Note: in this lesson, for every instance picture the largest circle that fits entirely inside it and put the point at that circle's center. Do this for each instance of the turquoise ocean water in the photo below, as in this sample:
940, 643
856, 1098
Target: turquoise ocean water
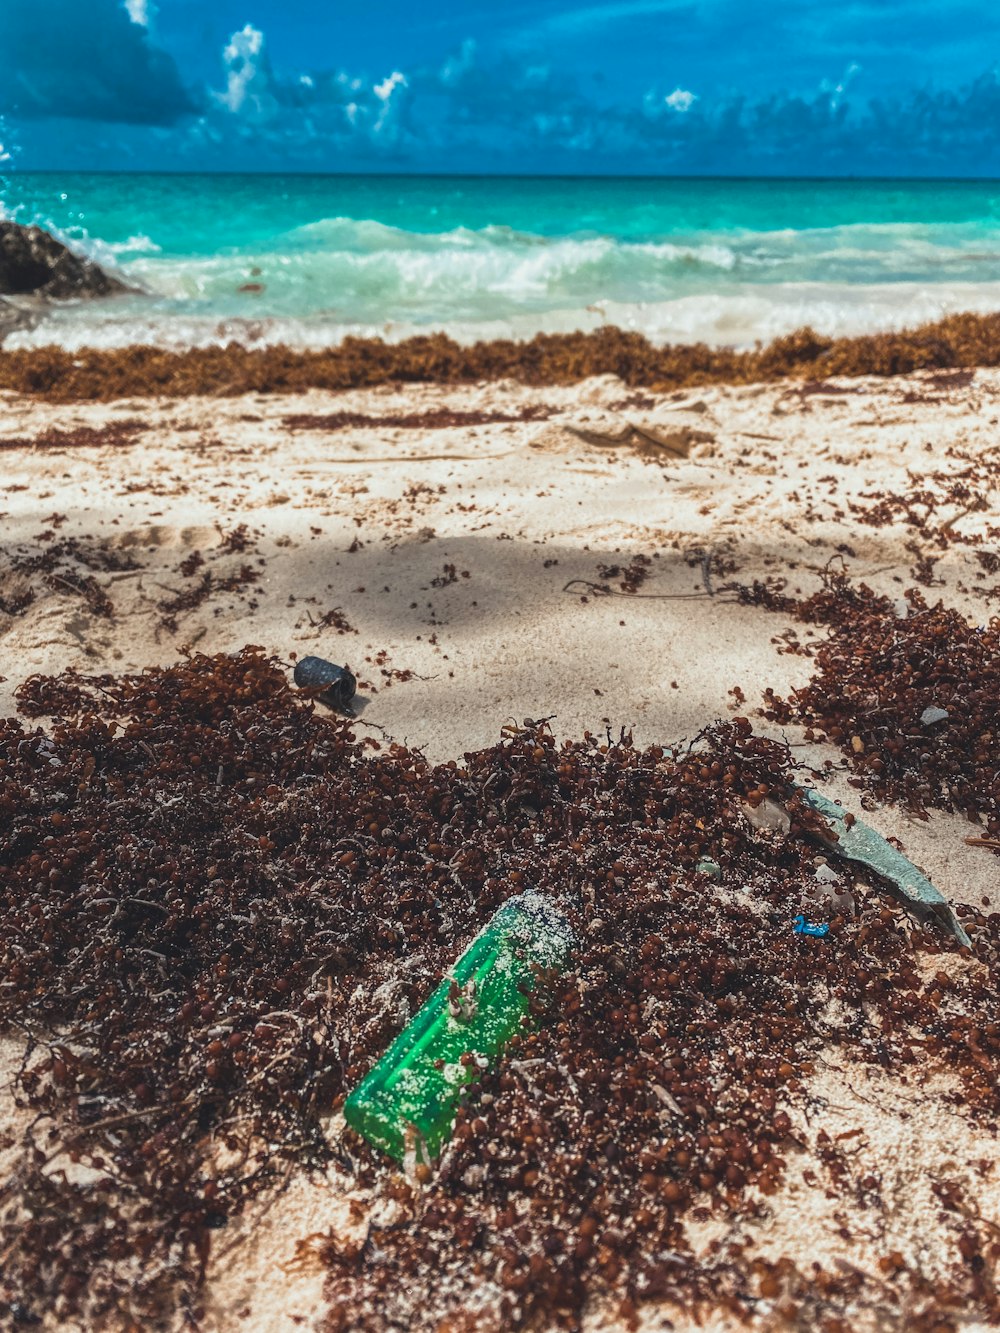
727, 261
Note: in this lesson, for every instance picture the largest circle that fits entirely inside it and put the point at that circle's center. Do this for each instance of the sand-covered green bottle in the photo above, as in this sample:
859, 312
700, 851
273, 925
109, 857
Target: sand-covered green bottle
411, 1096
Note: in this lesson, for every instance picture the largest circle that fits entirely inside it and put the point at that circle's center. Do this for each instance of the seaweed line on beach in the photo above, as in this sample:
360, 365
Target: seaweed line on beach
955, 343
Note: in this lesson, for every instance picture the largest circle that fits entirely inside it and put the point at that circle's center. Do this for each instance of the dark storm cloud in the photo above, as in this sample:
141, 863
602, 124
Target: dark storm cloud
88, 60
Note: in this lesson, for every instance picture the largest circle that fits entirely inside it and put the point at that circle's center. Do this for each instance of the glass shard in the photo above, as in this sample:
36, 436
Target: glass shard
862, 844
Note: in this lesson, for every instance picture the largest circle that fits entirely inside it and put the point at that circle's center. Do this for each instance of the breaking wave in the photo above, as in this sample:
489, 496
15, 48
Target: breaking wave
368, 271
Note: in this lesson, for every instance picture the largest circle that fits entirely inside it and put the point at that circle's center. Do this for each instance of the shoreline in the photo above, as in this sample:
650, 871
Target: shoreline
959, 342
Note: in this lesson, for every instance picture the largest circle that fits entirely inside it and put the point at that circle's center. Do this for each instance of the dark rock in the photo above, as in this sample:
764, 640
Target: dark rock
34, 263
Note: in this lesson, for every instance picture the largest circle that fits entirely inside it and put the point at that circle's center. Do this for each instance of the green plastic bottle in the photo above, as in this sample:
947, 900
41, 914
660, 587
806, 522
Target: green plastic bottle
408, 1101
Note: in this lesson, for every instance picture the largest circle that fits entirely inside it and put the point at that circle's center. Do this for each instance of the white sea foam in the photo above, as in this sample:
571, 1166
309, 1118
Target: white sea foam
739, 318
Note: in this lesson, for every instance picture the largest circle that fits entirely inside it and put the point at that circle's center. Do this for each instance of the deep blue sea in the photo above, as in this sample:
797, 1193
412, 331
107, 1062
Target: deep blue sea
306, 259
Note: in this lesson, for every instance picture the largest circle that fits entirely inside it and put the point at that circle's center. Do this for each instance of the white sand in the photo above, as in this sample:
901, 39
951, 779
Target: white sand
523, 507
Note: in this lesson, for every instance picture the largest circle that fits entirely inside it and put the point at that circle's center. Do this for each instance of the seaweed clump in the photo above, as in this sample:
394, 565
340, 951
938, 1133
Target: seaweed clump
934, 504
438, 418
957, 341
68, 565
217, 907
114, 434
909, 691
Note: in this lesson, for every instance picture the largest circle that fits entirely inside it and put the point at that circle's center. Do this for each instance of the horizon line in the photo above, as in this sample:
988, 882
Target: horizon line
861, 178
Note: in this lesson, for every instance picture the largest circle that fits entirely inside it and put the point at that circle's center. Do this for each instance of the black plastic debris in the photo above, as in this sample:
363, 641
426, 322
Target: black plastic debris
330, 684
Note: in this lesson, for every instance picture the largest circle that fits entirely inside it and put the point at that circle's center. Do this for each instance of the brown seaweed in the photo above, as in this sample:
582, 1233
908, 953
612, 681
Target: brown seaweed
910, 691
217, 907
957, 342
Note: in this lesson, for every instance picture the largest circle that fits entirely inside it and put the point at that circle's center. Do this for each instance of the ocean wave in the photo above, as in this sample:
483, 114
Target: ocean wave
370, 272
367, 236
139, 244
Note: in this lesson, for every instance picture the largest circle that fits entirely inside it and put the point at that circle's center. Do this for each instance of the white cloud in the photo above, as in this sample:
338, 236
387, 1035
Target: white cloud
388, 113
681, 100
384, 90
249, 89
838, 90
311, 112
141, 12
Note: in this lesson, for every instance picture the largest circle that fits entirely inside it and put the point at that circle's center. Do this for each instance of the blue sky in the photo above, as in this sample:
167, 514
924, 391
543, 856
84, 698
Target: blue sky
714, 86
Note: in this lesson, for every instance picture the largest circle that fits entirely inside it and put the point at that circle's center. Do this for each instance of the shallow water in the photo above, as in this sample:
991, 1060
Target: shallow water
727, 261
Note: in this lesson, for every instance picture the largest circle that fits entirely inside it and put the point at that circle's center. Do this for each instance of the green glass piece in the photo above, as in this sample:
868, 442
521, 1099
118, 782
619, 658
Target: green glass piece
409, 1099
862, 844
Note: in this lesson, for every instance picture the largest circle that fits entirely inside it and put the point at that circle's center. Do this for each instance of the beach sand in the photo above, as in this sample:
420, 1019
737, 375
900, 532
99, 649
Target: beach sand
458, 569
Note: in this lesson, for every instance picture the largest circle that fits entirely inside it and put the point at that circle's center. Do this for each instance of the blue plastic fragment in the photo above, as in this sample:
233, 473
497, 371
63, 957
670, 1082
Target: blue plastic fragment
802, 927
